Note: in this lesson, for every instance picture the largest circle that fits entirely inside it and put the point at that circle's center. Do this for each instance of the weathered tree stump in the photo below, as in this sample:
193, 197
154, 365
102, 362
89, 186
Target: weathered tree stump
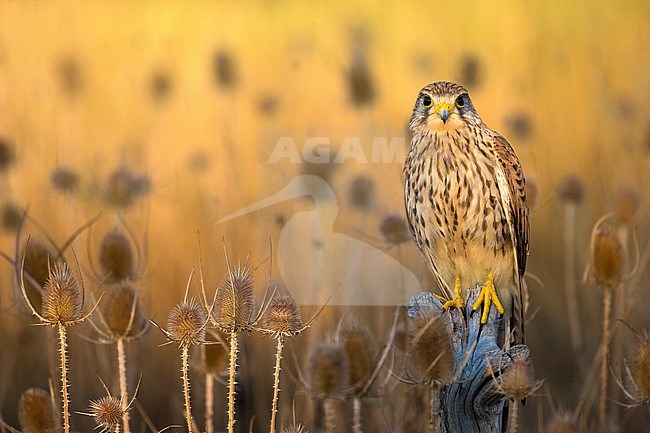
473, 402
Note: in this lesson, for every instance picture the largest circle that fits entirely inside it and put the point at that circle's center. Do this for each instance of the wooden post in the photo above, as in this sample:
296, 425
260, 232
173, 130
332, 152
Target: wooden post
472, 403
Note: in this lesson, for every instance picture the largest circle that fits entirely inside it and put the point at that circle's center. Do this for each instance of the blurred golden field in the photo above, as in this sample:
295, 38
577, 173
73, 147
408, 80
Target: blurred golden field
194, 96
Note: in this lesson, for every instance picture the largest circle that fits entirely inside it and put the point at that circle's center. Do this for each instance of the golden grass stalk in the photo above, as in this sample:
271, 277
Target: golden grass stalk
607, 264
62, 306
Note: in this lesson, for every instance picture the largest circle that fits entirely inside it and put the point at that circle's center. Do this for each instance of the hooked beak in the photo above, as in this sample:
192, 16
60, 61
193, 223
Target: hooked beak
444, 110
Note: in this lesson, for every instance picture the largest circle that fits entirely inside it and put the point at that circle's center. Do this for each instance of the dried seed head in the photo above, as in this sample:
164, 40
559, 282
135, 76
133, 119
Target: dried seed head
7, 156
360, 351
107, 412
532, 192
626, 205
215, 357
361, 87
571, 189
70, 76
234, 300
607, 260
161, 86
224, 68
362, 193
10, 217
116, 256
186, 323
518, 379
471, 71
562, 423
520, 125
283, 315
430, 348
122, 312
64, 179
36, 270
123, 187
62, 295
640, 369
394, 229
35, 412
328, 368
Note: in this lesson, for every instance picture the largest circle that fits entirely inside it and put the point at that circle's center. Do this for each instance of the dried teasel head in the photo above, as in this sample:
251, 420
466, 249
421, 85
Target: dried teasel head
63, 295
328, 368
35, 412
7, 155
186, 323
234, 299
626, 205
430, 352
64, 179
640, 369
116, 256
282, 316
607, 257
362, 193
122, 312
394, 229
107, 413
298, 428
571, 189
123, 187
562, 423
518, 379
360, 351
10, 217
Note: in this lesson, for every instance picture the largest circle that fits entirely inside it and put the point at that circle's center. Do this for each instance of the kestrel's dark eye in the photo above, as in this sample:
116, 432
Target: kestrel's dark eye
460, 102
426, 101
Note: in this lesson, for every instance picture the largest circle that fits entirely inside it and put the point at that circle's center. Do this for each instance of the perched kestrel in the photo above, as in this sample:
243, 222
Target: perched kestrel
466, 204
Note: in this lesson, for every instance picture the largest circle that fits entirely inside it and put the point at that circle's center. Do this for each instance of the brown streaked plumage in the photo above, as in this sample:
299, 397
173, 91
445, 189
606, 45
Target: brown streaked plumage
466, 203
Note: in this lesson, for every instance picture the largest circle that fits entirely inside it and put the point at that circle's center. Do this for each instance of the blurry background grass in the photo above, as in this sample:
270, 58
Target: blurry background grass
186, 93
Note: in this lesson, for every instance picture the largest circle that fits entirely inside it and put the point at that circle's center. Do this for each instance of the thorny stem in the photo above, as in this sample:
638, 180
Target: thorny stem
434, 406
602, 407
330, 414
186, 386
276, 382
121, 362
570, 278
64, 377
209, 403
232, 380
513, 417
356, 415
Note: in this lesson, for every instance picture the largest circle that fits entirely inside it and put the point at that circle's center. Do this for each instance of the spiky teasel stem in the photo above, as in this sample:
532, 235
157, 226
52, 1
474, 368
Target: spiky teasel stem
276, 382
602, 405
124, 393
329, 408
186, 386
64, 377
232, 380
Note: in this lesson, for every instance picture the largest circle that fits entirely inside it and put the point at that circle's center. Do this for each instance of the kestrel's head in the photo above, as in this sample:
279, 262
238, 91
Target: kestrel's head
443, 106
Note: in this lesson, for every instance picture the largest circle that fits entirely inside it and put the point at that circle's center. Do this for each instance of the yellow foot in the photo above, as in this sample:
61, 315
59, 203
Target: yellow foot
458, 301
487, 296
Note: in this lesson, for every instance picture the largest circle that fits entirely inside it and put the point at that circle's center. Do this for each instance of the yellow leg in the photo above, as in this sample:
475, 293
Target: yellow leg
458, 298
488, 296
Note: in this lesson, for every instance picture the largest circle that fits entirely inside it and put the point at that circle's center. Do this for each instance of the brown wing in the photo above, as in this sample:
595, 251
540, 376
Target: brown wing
518, 216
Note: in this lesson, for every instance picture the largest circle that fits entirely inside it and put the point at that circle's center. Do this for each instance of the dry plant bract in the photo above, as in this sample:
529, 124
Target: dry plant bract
638, 372
62, 306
